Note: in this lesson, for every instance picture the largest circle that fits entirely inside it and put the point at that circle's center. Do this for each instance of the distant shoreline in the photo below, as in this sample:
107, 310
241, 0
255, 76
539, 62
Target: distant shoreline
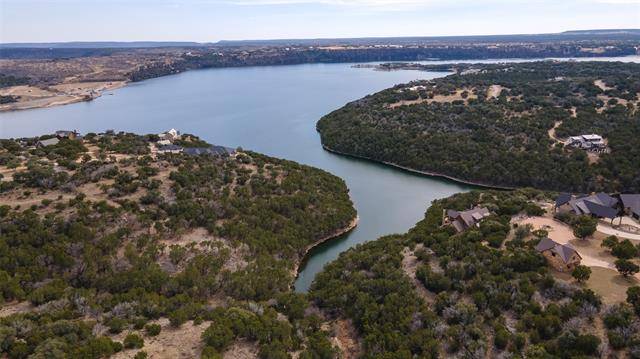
57, 95
62, 94
424, 173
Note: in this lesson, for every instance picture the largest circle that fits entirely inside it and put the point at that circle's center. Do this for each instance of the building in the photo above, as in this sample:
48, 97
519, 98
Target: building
47, 142
561, 257
212, 151
562, 202
67, 134
464, 220
170, 135
600, 205
631, 204
170, 149
593, 143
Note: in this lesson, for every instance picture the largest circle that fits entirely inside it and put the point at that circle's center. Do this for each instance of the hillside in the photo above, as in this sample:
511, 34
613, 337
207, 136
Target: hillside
503, 125
106, 239
484, 293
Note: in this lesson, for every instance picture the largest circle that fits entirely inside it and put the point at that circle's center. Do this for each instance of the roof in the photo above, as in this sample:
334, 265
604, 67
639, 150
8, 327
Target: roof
213, 150
631, 201
452, 213
601, 211
458, 225
564, 251
606, 200
563, 198
49, 142
592, 137
545, 244
170, 148
600, 204
470, 217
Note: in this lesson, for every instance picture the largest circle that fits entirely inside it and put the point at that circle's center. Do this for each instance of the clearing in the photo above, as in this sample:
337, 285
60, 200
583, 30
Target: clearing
183, 342
456, 96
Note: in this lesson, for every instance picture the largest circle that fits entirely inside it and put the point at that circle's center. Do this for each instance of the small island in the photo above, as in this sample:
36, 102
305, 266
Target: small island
126, 245
567, 126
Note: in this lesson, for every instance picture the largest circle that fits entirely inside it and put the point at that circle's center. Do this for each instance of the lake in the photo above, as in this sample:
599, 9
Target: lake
272, 110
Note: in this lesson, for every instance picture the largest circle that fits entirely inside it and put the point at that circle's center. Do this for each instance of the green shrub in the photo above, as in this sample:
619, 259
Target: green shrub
153, 329
501, 339
133, 341
116, 325
218, 335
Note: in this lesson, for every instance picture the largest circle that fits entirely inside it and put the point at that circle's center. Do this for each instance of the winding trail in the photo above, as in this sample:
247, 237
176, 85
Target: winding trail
409, 266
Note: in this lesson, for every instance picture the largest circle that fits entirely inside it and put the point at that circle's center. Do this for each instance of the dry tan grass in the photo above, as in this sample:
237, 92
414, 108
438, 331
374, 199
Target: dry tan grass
494, 91
346, 339
63, 94
602, 85
183, 342
242, 349
457, 96
409, 266
610, 285
11, 308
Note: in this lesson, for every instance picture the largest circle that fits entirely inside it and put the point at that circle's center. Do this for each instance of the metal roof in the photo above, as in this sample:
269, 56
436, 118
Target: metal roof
564, 251
631, 201
49, 142
563, 198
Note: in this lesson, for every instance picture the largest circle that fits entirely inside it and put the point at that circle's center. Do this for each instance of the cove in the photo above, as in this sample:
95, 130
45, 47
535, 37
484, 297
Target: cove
272, 110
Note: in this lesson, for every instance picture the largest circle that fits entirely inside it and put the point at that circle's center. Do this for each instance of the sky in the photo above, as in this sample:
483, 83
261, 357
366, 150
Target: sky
213, 20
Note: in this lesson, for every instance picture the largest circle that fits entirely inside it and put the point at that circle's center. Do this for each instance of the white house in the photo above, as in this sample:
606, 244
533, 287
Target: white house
170, 135
591, 142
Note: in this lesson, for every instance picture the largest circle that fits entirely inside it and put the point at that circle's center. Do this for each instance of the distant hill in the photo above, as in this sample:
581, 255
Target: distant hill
578, 35
603, 32
606, 34
101, 44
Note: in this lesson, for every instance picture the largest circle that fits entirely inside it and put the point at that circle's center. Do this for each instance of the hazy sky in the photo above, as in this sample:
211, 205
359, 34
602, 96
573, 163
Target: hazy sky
212, 20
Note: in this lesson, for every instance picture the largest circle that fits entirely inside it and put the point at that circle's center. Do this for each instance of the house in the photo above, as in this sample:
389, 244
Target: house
464, 220
593, 143
67, 134
47, 142
561, 257
213, 151
170, 135
163, 143
631, 204
170, 149
600, 205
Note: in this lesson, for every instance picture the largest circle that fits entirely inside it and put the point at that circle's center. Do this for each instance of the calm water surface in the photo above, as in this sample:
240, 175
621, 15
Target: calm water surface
272, 110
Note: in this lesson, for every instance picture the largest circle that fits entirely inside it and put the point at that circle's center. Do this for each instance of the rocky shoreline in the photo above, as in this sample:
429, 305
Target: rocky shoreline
353, 224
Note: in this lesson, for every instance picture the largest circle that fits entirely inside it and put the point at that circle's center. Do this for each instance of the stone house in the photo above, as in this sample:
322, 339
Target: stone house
463, 220
561, 257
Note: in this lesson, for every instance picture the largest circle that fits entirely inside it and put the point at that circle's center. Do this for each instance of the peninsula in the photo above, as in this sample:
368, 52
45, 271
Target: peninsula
163, 245
568, 126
